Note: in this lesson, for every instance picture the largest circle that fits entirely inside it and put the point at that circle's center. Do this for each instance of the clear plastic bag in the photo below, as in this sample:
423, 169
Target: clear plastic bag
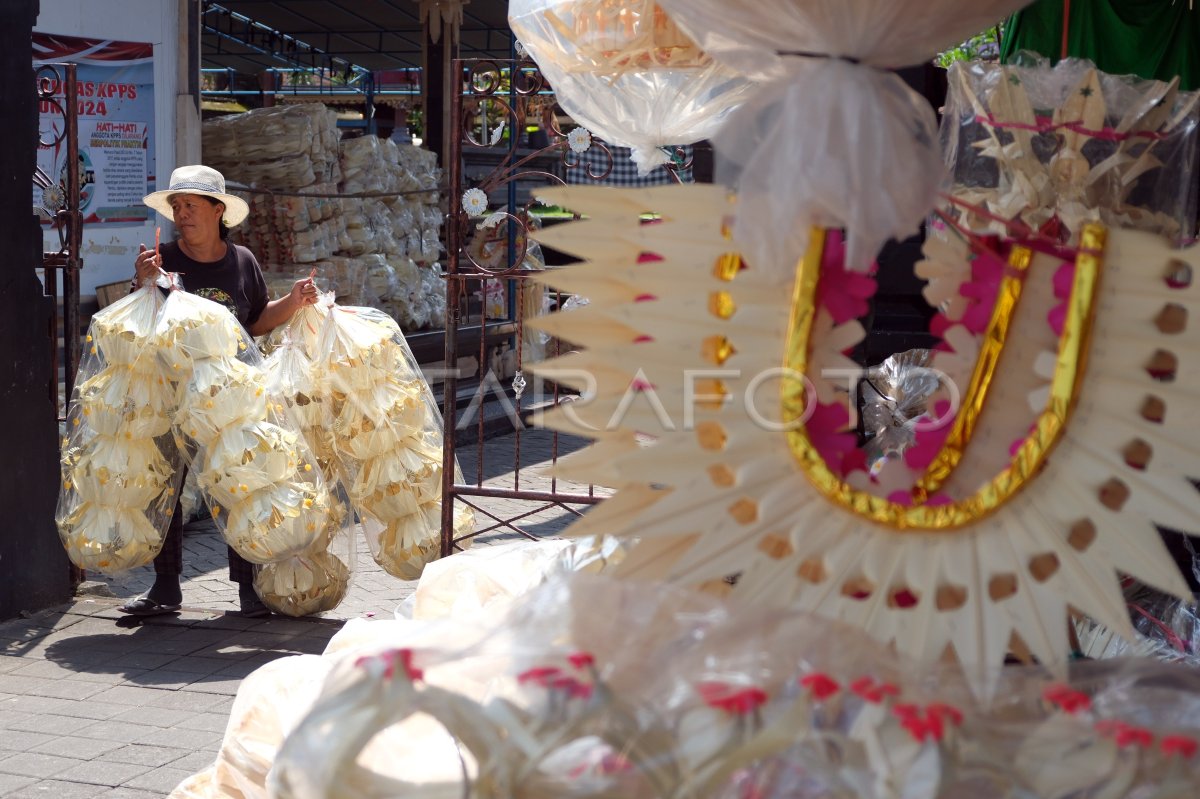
1067, 144
119, 464
386, 430
258, 476
590, 687
628, 73
831, 139
318, 579
892, 398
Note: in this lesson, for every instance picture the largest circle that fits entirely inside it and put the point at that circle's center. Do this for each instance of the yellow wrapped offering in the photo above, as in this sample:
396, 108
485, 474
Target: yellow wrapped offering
262, 447
406, 544
109, 539
277, 522
132, 401
303, 585
192, 328
223, 393
117, 472
121, 332
392, 485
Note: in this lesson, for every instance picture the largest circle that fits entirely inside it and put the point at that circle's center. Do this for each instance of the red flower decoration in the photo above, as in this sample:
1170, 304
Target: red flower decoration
581, 660
927, 725
821, 686
873, 692
391, 659
946, 712
731, 699
1126, 735
987, 270
1066, 699
649, 258
844, 293
1064, 280
1180, 745
645, 298
539, 675
928, 443
573, 688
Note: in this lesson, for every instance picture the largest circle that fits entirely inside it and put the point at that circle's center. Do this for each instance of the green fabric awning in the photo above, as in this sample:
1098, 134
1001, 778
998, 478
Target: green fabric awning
1151, 38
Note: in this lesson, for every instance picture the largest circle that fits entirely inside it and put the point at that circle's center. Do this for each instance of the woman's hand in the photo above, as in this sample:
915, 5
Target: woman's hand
304, 292
148, 264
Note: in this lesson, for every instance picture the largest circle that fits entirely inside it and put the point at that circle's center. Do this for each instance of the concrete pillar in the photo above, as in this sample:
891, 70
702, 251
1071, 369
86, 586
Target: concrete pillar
187, 96
34, 571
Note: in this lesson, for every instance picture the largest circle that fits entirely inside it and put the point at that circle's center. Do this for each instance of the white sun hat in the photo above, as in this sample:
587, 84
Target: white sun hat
205, 182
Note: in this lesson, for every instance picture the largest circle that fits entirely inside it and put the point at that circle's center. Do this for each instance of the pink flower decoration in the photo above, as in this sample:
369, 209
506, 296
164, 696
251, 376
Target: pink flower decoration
649, 258
987, 270
928, 443
844, 293
581, 660
872, 691
573, 688
539, 675
827, 430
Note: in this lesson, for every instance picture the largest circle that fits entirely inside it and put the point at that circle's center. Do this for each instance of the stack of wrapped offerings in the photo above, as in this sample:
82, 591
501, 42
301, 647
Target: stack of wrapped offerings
119, 461
365, 249
262, 483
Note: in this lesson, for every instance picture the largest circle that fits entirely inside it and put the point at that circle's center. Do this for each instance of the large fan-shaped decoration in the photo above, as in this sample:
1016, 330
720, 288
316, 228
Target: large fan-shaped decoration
1017, 504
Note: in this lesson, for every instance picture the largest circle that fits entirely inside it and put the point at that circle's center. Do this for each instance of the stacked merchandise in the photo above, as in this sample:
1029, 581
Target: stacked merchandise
374, 251
119, 463
369, 413
179, 382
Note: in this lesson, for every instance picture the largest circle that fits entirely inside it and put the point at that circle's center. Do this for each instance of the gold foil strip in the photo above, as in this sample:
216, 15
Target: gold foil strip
974, 399
1026, 462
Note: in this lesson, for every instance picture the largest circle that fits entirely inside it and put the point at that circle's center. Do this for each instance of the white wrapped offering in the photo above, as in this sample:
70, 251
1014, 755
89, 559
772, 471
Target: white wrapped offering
128, 400
121, 332
118, 472
223, 393
191, 328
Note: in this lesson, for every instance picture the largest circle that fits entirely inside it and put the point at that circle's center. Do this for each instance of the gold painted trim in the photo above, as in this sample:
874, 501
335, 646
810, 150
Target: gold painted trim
974, 399
1026, 462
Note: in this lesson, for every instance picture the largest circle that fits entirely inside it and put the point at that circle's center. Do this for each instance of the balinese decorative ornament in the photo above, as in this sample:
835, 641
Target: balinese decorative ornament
1017, 502
475, 202
436, 13
833, 138
626, 71
1112, 149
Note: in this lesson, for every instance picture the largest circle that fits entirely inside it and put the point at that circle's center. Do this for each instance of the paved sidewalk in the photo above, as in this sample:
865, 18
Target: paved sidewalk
97, 704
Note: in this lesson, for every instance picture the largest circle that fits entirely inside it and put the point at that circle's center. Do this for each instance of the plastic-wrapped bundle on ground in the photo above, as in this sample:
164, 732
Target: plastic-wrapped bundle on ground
628, 73
590, 688
120, 467
389, 437
259, 477
1067, 144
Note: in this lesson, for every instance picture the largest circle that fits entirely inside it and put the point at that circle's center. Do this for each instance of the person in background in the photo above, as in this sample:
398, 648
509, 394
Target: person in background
229, 275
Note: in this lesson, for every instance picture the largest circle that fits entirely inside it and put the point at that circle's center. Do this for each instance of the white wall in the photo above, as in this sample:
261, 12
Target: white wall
108, 253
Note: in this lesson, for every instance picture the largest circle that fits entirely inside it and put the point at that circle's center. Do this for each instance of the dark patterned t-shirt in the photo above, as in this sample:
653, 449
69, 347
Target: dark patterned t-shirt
236, 281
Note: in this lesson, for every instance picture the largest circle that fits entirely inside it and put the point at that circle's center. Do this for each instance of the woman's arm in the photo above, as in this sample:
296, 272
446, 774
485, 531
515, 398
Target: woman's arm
278, 312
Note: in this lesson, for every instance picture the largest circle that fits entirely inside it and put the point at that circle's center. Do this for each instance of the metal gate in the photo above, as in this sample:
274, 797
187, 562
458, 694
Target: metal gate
493, 97
58, 203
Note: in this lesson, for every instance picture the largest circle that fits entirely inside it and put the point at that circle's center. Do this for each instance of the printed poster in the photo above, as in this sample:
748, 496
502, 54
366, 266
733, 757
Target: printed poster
116, 125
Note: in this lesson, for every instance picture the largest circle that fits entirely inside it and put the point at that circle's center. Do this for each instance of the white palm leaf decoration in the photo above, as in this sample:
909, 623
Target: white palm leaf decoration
716, 492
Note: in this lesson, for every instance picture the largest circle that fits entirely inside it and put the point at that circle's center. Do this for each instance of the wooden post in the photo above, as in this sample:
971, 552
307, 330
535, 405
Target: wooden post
34, 571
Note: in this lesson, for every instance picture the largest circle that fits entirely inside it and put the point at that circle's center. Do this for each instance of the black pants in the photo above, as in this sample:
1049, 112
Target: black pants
170, 560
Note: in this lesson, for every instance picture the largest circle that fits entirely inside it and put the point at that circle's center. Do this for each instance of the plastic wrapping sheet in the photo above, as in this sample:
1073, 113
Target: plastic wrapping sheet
1168, 629
892, 398
261, 482
1063, 145
830, 139
628, 73
119, 463
588, 687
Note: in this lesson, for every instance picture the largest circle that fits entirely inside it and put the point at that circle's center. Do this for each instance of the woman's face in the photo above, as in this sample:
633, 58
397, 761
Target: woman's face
196, 218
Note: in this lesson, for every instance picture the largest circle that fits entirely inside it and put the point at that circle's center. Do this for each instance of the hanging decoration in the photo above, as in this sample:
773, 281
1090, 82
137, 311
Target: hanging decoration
436, 13
976, 540
627, 72
832, 138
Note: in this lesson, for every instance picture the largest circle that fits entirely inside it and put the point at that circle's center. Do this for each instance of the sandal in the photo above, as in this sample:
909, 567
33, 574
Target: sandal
253, 608
145, 606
